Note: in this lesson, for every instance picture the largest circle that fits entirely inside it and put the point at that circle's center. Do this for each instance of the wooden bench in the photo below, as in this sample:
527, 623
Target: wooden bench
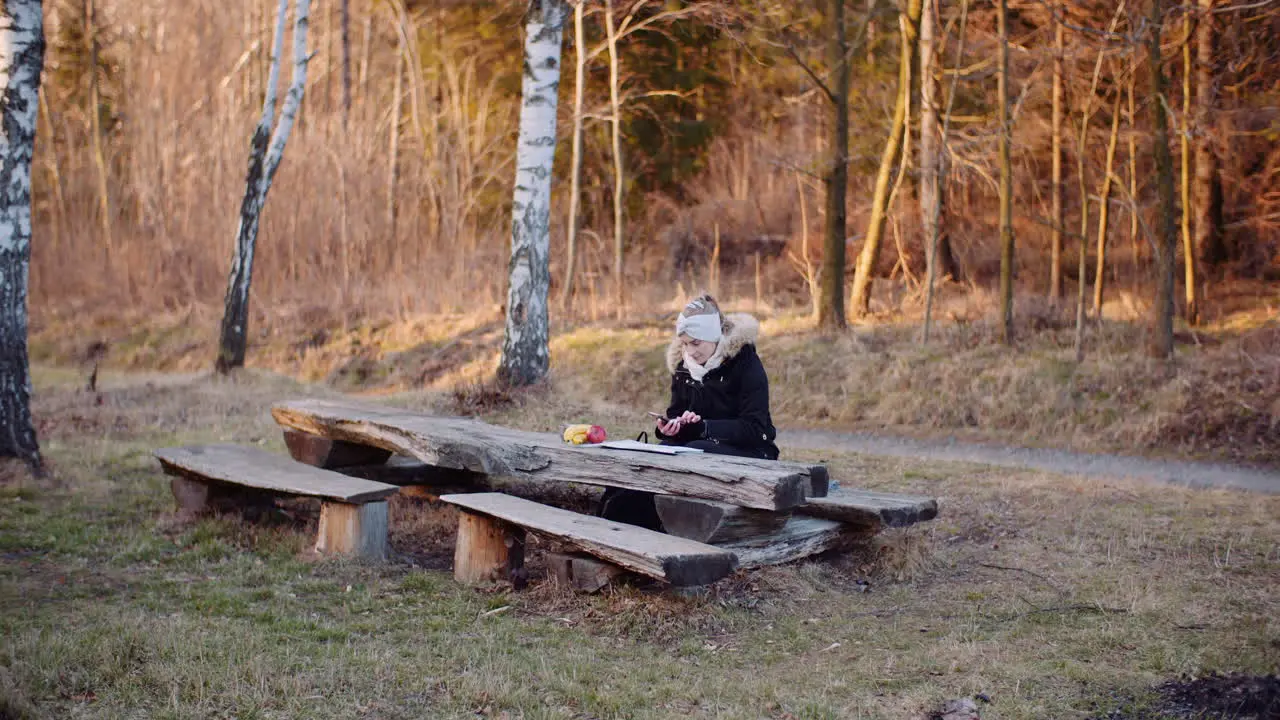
353, 512
760, 537
491, 542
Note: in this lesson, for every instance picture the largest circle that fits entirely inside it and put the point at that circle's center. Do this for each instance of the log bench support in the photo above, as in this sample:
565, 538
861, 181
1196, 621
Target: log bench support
359, 530
488, 550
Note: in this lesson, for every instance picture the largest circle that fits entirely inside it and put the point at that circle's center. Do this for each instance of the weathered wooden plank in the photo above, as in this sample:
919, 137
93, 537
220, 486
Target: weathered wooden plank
865, 506
359, 530
801, 537
714, 522
255, 468
582, 572
323, 452
474, 445
488, 549
665, 557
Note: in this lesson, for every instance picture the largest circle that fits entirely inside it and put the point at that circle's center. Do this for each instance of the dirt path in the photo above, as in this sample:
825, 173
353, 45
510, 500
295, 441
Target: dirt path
1175, 472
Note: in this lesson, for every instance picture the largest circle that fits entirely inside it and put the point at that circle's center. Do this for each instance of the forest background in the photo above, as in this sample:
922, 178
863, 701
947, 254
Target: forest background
384, 244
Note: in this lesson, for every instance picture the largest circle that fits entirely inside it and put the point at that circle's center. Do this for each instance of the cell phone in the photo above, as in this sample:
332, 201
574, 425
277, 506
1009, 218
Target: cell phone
660, 416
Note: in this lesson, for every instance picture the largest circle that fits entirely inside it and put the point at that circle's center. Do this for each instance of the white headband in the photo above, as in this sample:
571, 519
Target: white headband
699, 327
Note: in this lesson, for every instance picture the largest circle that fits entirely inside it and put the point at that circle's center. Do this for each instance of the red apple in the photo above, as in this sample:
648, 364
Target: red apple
596, 434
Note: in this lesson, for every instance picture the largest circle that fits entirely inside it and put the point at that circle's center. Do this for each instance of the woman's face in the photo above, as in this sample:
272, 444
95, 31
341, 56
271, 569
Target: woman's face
699, 350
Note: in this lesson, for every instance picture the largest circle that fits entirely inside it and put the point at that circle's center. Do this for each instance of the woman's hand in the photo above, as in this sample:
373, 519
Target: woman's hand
670, 428
689, 417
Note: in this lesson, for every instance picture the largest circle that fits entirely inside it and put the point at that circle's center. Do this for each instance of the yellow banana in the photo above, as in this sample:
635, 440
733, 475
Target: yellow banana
576, 434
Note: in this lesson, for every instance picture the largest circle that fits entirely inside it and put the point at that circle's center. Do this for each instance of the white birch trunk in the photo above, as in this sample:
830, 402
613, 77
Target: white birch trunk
265, 152
524, 348
21, 60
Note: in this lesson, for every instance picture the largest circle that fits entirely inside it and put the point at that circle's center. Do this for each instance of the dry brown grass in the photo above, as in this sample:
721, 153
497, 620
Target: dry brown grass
1057, 597
1217, 399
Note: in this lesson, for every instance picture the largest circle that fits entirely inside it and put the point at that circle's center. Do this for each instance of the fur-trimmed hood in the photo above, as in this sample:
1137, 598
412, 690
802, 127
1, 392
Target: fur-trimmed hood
738, 330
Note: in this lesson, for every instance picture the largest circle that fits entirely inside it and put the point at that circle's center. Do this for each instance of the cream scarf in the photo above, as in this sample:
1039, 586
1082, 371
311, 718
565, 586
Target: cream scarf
700, 371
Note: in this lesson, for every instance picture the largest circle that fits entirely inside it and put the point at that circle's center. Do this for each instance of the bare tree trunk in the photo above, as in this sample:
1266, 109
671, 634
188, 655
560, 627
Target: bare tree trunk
346, 62
941, 170
1006, 181
1210, 240
1104, 200
615, 117
265, 151
250, 37
860, 295
365, 42
21, 60
930, 195
393, 151
1133, 168
95, 128
831, 306
60, 197
575, 163
1188, 249
1057, 191
1086, 112
525, 356
802, 263
1166, 241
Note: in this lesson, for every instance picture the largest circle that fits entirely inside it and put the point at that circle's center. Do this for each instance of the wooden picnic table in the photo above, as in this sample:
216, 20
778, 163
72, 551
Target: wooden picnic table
719, 512
758, 512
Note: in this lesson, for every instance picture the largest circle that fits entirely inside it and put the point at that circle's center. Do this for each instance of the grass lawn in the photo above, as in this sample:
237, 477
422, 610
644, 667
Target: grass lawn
1054, 597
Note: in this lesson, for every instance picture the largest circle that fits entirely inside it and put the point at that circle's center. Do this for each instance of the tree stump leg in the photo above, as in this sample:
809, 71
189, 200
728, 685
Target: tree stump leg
488, 550
359, 530
196, 497
323, 452
582, 572
192, 497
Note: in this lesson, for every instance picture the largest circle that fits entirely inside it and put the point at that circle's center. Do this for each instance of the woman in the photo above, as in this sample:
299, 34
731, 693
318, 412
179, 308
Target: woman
719, 399
719, 390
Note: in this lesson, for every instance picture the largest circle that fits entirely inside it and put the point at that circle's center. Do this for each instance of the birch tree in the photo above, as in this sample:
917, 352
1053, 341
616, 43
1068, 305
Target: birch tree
266, 148
525, 357
21, 60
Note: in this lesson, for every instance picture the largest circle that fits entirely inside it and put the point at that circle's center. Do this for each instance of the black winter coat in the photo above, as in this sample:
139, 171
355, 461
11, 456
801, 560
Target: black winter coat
732, 399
